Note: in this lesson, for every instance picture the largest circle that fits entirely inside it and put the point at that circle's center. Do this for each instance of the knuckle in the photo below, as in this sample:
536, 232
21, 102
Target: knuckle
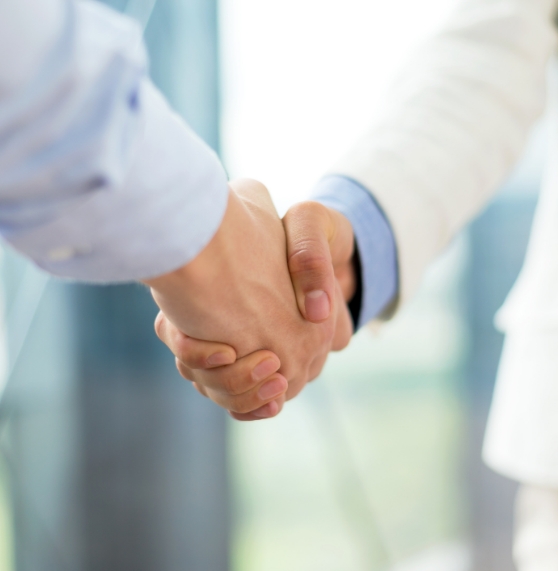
295, 388
227, 384
184, 370
230, 385
235, 386
289, 369
159, 325
200, 390
342, 342
192, 358
190, 351
240, 417
307, 209
241, 405
280, 403
309, 257
316, 369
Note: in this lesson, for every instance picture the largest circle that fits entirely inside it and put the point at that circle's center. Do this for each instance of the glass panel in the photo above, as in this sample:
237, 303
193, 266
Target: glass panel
367, 461
108, 459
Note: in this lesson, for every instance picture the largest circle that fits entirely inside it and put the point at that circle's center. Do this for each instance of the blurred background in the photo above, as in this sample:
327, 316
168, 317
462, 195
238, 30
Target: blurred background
109, 461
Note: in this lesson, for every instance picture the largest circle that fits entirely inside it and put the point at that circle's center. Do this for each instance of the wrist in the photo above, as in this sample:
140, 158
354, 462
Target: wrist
208, 264
235, 280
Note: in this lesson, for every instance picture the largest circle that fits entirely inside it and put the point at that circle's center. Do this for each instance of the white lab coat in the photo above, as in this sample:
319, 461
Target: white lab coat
456, 123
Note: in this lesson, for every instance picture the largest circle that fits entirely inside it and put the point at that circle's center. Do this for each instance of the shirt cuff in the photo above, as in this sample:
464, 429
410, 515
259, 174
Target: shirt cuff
157, 219
374, 241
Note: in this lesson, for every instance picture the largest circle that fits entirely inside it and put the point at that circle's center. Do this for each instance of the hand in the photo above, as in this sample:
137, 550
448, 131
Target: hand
320, 252
320, 246
238, 292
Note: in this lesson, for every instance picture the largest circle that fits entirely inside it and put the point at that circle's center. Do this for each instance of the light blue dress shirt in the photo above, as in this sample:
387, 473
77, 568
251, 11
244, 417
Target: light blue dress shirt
99, 179
374, 241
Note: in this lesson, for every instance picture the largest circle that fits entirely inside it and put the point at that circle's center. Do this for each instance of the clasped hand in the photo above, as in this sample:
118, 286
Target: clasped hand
253, 317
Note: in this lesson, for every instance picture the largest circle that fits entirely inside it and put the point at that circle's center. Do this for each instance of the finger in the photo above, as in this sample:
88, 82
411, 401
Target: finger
200, 390
297, 385
273, 388
270, 387
344, 323
346, 277
269, 410
308, 228
342, 241
193, 353
236, 379
270, 390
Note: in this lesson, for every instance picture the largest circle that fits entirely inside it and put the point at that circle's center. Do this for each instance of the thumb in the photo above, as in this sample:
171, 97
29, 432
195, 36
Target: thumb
309, 228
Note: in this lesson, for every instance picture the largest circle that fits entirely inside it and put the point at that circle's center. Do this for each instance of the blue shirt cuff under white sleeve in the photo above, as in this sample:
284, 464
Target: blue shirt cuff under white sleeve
374, 239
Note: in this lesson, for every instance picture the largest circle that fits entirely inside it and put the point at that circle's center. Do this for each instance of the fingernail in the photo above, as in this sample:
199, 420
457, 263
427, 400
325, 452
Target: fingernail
317, 305
264, 369
273, 388
267, 411
220, 359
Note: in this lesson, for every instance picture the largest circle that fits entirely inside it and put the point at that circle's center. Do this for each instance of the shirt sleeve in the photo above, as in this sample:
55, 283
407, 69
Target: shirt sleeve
374, 241
99, 179
454, 123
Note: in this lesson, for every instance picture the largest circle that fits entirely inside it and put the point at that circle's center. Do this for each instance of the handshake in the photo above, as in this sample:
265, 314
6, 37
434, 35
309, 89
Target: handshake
253, 317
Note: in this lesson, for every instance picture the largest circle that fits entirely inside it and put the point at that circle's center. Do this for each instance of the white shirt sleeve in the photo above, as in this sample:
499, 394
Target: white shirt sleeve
99, 179
454, 125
